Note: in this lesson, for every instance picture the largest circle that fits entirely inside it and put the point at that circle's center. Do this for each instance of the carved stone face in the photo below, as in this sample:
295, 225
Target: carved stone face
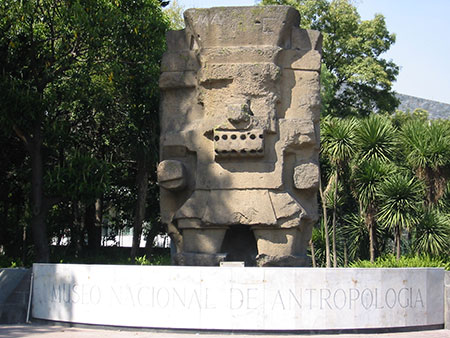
239, 134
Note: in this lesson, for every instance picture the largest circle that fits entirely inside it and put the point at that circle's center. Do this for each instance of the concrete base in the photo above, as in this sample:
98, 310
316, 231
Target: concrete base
14, 294
447, 300
230, 298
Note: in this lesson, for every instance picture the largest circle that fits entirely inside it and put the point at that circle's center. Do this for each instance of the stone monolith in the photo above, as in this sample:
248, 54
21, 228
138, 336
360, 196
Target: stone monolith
240, 106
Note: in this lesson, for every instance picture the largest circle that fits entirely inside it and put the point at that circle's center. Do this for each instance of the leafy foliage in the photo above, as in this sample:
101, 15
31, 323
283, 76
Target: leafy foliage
389, 261
79, 88
432, 235
359, 79
400, 201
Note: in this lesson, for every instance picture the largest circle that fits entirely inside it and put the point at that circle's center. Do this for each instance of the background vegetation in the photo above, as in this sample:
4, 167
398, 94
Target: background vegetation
79, 137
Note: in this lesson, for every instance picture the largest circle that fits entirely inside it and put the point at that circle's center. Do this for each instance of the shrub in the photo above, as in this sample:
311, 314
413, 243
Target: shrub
389, 261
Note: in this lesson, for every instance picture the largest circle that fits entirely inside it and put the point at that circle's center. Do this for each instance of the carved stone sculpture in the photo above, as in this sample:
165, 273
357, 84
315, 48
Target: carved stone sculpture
240, 136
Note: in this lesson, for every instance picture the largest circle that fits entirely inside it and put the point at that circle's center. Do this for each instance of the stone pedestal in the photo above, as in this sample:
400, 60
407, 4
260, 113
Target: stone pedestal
240, 298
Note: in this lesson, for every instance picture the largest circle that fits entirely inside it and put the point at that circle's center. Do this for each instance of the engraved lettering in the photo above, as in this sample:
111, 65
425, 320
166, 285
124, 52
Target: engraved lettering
419, 299
56, 294
75, 294
324, 297
162, 297
236, 294
407, 300
275, 302
352, 298
251, 298
194, 299
366, 295
181, 299
208, 306
336, 299
310, 297
376, 300
95, 295
292, 296
393, 297
142, 296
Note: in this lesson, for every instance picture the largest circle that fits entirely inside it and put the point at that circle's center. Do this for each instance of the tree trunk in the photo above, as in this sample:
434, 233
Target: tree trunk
371, 228
334, 219
93, 231
77, 231
142, 187
325, 224
39, 205
397, 241
313, 254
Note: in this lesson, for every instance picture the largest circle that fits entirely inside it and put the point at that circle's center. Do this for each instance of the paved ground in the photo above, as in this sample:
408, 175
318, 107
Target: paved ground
47, 331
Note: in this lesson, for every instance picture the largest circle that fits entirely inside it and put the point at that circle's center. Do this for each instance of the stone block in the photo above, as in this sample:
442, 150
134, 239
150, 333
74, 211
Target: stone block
267, 299
306, 176
171, 175
174, 80
179, 61
14, 295
240, 109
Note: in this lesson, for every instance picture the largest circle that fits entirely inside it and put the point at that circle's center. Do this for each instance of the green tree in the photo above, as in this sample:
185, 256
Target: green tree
375, 137
175, 14
432, 234
65, 64
426, 147
367, 178
400, 205
338, 145
357, 75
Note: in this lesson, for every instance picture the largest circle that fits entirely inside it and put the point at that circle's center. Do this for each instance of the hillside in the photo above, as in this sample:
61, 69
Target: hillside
436, 110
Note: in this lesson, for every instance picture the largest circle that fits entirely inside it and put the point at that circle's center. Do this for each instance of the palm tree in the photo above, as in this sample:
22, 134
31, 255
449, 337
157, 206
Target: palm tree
375, 139
400, 203
432, 235
426, 146
338, 145
367, 178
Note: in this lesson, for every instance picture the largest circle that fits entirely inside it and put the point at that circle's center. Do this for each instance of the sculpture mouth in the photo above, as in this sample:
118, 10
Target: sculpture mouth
238, 143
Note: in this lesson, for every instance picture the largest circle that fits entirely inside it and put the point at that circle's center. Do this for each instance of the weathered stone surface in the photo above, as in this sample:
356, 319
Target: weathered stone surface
229, 298
306, 176
202, 259
177, 80
242, 26
172, 175
179, 61
239, 133
280, 261
14, 295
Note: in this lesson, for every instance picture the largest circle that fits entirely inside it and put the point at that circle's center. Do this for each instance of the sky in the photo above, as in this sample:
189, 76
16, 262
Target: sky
422, 48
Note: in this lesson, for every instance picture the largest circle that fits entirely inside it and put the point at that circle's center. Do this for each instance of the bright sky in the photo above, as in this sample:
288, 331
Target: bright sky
422, 49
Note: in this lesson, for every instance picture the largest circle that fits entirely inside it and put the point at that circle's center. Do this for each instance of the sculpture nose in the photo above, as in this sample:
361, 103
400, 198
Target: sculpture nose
239, 113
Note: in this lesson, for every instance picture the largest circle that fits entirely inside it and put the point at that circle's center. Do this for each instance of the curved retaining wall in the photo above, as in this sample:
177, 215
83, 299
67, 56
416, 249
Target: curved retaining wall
237, 298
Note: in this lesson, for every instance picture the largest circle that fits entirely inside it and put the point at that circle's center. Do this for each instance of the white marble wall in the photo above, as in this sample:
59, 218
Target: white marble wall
238, 298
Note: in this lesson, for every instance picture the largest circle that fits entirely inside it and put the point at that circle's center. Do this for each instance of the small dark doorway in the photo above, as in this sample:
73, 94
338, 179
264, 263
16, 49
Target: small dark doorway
240, 244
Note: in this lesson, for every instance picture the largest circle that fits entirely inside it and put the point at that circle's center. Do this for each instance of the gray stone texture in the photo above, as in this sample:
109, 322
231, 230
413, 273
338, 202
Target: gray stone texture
14, 294
447, 300
239, 140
